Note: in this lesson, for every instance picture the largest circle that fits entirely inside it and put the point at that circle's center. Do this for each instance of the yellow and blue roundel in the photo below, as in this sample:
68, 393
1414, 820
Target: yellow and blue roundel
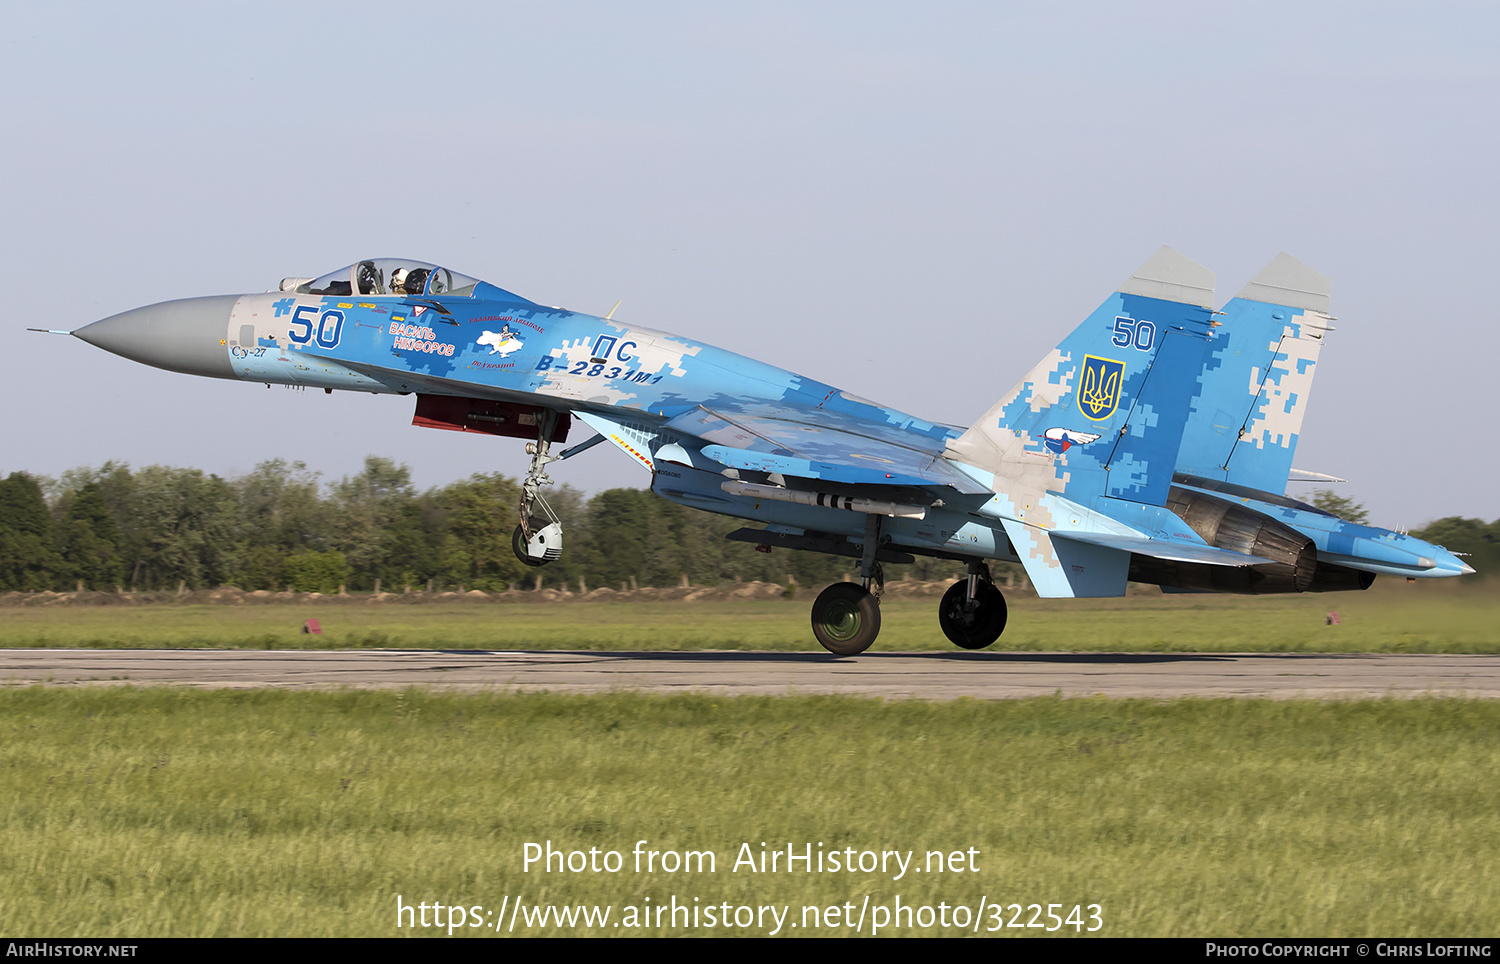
1099, 395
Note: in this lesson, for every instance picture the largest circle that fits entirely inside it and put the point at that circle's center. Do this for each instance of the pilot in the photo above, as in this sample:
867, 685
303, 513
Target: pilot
409, 281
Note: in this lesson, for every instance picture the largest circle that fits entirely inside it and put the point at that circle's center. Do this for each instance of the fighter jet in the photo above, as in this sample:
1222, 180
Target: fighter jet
1152, 444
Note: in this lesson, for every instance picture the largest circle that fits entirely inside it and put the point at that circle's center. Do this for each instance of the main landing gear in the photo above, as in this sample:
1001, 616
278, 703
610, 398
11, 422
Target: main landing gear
538, 540
973, 610
846, 616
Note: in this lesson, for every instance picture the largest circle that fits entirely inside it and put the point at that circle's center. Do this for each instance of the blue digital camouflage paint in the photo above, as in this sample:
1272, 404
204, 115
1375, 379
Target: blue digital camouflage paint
1152, 444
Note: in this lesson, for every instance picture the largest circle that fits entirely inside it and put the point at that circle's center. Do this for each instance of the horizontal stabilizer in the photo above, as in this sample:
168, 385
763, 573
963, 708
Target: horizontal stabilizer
1161, 549
1413, 567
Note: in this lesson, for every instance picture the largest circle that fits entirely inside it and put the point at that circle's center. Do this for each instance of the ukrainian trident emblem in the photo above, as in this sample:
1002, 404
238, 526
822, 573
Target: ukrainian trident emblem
1099, 395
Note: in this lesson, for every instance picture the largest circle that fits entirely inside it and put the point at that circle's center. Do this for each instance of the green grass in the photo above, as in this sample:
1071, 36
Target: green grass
1390, 618
148, 812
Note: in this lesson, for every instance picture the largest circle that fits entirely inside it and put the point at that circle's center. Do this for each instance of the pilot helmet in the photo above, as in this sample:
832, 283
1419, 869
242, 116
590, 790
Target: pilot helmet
398, 279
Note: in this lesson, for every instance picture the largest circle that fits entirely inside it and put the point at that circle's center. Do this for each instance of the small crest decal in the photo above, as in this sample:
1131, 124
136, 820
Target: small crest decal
502, 342
1061, 439
1099, 395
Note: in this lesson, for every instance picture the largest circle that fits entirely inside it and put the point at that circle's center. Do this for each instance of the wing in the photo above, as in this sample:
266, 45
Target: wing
822, 445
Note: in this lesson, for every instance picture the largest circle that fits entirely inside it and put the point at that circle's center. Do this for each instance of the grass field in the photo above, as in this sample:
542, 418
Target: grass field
183, 812
154, 812
1388, 618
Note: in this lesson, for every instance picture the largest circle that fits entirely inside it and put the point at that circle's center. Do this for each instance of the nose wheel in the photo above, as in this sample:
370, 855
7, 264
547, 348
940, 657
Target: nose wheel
538, 539
540, 548
973, 611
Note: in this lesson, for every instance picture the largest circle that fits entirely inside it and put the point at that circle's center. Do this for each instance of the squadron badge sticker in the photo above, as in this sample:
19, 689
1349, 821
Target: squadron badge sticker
1060, 440
503, 342
1099, 395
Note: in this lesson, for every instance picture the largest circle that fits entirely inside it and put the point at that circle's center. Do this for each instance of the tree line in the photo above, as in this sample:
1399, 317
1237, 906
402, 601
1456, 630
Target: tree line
280, 525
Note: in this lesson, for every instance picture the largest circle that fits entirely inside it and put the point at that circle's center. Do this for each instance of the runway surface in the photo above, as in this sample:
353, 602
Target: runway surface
936, 676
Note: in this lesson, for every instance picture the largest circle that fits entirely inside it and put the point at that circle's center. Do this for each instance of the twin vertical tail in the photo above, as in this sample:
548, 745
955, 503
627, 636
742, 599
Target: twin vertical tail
1103, 414
1252, 393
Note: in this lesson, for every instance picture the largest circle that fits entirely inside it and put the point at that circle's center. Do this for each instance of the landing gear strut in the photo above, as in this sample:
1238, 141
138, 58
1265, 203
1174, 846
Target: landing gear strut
845, 616
538, 544
973, 610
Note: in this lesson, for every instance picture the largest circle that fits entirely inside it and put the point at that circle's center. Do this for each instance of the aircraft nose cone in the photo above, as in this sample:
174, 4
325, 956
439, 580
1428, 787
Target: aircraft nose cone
1452, 562
180, 336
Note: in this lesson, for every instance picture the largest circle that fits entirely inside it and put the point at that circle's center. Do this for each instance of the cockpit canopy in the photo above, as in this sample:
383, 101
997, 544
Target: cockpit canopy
387, 276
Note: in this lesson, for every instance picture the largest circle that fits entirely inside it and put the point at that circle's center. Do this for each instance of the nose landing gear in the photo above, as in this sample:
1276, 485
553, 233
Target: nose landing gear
537, 542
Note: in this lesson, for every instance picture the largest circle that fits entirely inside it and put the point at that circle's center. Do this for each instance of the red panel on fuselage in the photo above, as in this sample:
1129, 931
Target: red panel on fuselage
488, 417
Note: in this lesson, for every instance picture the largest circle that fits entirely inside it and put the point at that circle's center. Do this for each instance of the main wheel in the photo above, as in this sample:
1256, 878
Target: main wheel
518, 546
846, 619
972, 625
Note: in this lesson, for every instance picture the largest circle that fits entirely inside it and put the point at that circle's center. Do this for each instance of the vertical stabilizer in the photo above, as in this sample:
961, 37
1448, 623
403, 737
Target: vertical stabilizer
1103, 413
1252, 394
1169, 276
1101, 416
1287, 281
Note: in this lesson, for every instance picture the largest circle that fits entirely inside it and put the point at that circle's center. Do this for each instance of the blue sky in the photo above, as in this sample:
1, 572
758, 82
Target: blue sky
911, 202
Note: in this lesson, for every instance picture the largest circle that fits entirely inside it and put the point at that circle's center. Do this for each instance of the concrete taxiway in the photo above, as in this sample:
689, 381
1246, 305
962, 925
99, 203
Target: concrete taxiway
888, 675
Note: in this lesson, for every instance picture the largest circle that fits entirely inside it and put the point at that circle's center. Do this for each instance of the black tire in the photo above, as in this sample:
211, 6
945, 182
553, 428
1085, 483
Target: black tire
518, 546
846, 619
972, 627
